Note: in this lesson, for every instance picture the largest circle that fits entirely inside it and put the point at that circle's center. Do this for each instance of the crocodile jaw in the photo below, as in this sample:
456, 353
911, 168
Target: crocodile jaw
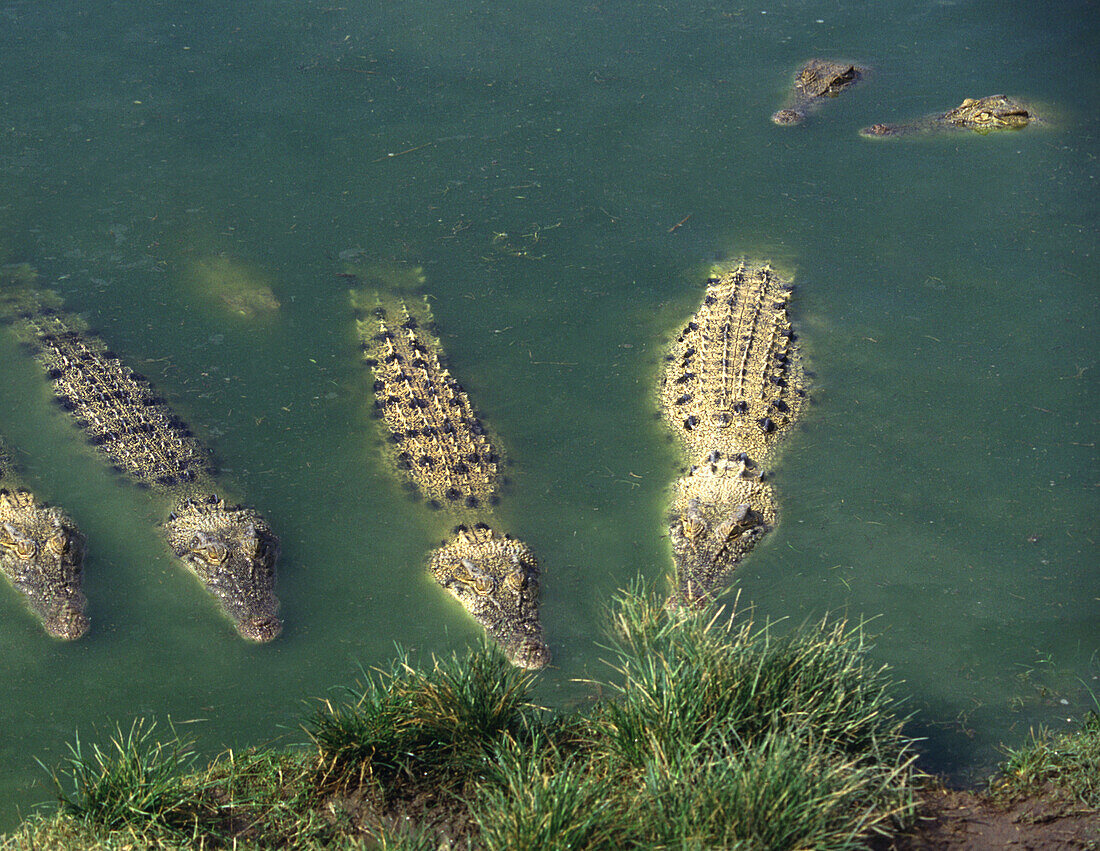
42, 553
718, 517
68, 622
496, 580
233, 552
705, 555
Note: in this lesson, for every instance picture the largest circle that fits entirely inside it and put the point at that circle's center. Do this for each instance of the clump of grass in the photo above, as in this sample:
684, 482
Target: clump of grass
267, 797
415, 742
135, 780
446, 719
714, 734
139, 791
63, 833
538, 795
685, 679
1068, 763
737, 735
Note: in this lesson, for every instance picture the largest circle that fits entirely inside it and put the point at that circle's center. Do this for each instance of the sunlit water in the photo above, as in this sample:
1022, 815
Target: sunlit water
534, 158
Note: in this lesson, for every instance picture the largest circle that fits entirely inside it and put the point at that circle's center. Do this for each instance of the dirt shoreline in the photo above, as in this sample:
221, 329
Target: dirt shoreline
965, 820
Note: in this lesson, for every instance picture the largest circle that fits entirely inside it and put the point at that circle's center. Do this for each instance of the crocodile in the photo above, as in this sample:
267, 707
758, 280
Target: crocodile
229, 547
816, 80
732, 388
449, 457
42, 554
982, 115
235, 286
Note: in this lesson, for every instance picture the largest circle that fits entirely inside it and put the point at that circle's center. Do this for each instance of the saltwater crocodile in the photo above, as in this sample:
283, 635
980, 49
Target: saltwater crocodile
733, 386
982, 115
235, 286
816, 80
440, 443
42, 554
228, 547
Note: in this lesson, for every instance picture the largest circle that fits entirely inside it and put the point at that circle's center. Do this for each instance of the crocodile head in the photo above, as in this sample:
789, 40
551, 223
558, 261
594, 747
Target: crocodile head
996, 112
708, 541
823, 78
982, 115
42, 554
818, 78
496, 579
232, 550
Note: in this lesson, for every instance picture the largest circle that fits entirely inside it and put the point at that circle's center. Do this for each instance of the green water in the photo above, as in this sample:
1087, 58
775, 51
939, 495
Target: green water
541, 155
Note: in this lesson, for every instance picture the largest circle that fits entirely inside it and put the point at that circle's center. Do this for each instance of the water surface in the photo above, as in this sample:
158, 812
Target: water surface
534, 159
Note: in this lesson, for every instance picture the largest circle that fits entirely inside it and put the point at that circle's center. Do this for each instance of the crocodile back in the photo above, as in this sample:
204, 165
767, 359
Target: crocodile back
734, 379
440, 442
116, 407
438, 439
732, 388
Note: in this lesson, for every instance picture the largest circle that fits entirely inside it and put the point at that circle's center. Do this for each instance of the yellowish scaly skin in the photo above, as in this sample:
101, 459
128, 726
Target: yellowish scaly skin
816, 80
439, 442
982, 115
438, 439
42, 555
230, 549
495, 577
734, 385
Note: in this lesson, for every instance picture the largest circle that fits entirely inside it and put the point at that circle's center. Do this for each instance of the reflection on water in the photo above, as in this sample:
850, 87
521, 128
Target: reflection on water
533, 162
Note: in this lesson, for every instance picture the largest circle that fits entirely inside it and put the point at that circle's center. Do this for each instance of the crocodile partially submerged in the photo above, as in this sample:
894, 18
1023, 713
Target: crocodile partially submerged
42, 554
442, 446
236, 287
982, 115
733, 386
230, 548
816, 80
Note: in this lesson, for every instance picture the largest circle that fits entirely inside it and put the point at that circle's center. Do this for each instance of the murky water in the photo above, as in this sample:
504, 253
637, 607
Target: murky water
534, 158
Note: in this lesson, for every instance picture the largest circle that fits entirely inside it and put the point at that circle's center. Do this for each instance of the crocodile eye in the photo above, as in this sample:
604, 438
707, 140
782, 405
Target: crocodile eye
483, 584
25, 548
209, 550
58, 544
515, 580
693, 527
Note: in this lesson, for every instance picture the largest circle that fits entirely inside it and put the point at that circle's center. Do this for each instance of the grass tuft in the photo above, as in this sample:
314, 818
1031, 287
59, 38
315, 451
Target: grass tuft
1068, 763
408, 722
134, 780
738, 735
537, 796
685, 681
713, 733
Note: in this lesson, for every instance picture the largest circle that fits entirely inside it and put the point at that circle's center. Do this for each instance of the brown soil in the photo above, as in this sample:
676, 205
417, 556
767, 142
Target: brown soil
966, 821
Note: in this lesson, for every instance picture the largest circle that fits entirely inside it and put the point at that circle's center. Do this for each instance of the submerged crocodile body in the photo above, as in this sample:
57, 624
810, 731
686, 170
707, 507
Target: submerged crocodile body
42, 554
816, 80
440, 443
982, 115
229, 548
733, 386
